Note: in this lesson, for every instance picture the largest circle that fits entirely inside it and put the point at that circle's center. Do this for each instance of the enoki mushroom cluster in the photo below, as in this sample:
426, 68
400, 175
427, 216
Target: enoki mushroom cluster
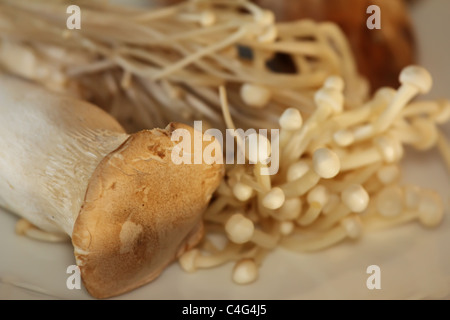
339, 177
148, 67
339, 150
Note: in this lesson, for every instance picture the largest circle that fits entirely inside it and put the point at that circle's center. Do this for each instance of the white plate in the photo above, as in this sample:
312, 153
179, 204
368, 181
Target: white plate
414, 262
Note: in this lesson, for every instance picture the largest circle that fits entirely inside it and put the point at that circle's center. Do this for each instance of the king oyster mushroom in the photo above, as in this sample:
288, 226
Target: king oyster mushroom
69, 168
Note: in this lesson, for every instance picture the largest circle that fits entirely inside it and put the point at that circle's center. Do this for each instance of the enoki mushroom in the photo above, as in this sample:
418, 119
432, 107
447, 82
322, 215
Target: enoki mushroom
150, 67
339, 149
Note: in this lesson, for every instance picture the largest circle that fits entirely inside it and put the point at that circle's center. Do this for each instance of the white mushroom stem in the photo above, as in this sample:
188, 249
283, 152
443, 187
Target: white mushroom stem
297, 170
411, 196
422, 134
205, 19
290, 121
329, 101
363, 132
418, 108
388, 174
332, 204
354, 199
387, 149
360, 115
193, 260
217, 206
302, 185
290, 210
269, 36
414, 80
50, 147
360, 176
317, 199
437, 111
390, 201
443, 115
326, 165
350, 227
429, 212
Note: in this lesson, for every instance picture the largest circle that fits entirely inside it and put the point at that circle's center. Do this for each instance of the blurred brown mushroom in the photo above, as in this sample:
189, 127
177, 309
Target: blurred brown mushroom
380, 53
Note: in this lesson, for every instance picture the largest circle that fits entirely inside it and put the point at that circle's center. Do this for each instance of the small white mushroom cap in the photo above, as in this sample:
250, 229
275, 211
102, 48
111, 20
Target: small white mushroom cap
242, 191
326, 163
330, 98
389, 147
187, 260
428, 133
286, 227
290, 210
239, 228
257, 148
418, 77
388, 174
265, 17
255, 95
412, 196
245, 271
431, 209
207, 18
355, 197
274, 199
319, 194
344, 137
291, 119
390, 201
335, 83
353, 226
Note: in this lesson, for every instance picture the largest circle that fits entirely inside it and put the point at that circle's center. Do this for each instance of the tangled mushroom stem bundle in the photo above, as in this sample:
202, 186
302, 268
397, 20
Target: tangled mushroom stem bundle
150, 67
217, 61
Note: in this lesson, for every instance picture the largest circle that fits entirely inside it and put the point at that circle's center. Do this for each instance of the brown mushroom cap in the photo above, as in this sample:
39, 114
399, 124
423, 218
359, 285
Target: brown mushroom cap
141, 211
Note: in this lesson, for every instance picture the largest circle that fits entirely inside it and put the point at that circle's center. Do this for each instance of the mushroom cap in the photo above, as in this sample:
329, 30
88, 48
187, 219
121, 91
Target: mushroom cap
417, 76
255, 95
331, 98
291, 119
326, 163
274, 199
141, 211
335, 82
355, 197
